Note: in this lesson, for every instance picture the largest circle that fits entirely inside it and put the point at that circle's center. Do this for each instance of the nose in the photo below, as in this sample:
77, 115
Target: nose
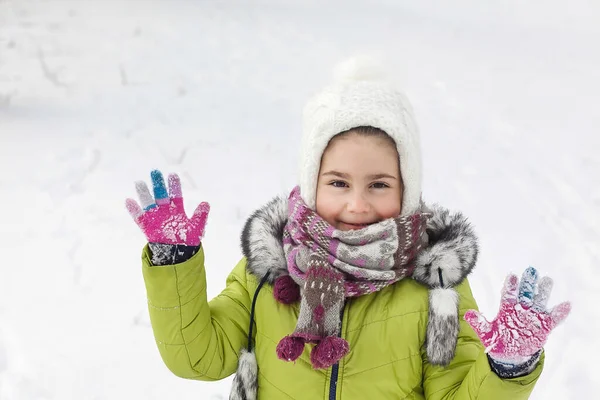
358, 204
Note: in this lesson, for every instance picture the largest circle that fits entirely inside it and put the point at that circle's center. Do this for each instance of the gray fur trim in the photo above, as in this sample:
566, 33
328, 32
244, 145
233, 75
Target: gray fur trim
445, 263
245, 381
442, 326
262, 240
452, 251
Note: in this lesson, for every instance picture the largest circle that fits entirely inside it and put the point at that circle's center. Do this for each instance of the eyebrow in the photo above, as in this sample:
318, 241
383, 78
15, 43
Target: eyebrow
346, 176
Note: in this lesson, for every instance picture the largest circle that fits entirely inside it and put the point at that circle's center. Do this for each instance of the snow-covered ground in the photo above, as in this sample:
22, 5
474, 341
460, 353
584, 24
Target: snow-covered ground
94, 94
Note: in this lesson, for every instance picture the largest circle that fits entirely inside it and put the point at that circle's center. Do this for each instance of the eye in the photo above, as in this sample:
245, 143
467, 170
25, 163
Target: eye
338, 184
380, 185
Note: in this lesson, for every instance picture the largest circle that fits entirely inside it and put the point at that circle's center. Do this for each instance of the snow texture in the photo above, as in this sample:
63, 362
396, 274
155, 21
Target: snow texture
95, 94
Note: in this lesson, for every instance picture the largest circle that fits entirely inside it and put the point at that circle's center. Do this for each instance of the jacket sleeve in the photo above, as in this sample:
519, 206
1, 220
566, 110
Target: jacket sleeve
197, 339
469, 376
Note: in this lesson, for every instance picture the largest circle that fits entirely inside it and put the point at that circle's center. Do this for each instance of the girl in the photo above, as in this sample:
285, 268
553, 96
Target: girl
350, 286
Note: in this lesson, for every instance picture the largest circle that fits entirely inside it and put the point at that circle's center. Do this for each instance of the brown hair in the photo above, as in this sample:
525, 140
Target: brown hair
371, 131
368, 131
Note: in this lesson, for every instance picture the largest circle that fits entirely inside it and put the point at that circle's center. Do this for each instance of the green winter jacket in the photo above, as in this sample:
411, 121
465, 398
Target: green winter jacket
386, 331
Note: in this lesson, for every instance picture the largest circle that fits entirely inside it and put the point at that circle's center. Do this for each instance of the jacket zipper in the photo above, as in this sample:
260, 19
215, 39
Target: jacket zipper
335, 368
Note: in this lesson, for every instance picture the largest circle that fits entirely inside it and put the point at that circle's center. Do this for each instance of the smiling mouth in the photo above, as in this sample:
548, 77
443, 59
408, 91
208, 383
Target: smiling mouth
354, 226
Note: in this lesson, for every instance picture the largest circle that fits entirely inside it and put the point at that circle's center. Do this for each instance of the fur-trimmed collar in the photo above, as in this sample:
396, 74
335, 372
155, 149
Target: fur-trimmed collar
447, 260
444, 263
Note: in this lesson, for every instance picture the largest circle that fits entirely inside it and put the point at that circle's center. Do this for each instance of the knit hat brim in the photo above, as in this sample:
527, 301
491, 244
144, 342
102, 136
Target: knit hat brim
360, 96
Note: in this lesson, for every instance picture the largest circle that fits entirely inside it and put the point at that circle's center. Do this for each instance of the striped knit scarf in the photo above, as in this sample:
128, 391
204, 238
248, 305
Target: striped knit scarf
330, 265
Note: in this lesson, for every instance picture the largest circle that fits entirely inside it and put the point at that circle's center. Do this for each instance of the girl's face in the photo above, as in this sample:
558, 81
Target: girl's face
359, 182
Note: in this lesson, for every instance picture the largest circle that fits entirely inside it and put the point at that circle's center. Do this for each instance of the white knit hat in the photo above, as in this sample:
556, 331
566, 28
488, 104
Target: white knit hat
360, 96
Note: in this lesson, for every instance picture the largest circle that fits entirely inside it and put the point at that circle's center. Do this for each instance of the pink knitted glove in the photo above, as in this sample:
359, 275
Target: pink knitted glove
523, 323
163, 219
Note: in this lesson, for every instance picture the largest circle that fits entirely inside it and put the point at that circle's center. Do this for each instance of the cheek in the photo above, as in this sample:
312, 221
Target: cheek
326, 208
390, 207
390, 211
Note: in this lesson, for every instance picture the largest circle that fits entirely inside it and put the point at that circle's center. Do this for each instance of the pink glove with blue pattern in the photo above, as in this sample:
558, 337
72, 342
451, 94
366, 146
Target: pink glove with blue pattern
523, 323
162, 217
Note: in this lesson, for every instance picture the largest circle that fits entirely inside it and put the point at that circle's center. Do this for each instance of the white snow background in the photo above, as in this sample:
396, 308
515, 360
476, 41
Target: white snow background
94, 94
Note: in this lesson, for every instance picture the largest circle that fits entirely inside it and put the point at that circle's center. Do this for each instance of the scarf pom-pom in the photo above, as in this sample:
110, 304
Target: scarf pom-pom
290, 348
329, 351
285, 290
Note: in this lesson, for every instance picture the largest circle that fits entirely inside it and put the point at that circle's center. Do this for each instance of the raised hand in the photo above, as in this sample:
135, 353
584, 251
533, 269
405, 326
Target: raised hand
162, 217
523, 323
